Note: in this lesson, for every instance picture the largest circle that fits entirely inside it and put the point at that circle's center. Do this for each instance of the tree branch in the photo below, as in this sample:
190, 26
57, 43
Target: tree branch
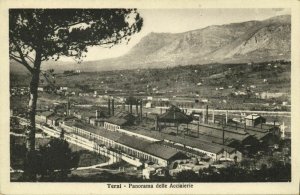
29, 68
24, 62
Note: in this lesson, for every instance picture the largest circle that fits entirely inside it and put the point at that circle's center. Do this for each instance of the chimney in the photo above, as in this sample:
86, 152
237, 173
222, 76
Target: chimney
156, 122
141, 108
226, 117
223, 134
113, 106
68, 107
260, 122
198, 128
130, 107
96, 114
109, 106
206, 114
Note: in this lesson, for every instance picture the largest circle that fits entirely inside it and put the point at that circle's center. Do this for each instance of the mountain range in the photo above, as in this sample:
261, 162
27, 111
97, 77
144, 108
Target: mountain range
250, 41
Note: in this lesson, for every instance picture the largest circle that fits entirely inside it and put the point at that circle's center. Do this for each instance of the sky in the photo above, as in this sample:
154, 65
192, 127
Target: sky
181, 20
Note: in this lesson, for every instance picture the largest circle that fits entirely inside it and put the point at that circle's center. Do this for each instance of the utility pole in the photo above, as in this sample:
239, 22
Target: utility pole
223, 131
198, 129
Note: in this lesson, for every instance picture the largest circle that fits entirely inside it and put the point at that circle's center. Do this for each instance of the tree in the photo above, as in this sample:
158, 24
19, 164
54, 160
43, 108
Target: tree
56, 156
37, 35
187, 175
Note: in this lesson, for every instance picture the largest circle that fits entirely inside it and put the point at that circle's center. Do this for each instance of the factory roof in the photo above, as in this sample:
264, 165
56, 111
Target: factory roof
143, 145
117, 121
45, 113
252, 116
174, 115
187, 141
149, 147
121, 118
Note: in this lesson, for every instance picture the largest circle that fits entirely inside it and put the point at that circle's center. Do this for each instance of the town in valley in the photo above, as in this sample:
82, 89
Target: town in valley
204, 119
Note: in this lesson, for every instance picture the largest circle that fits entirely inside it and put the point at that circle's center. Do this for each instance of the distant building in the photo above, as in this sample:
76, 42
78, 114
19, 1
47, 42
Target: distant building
139, 149
119, 120
43, 116
148, 105
53, 120
63, 88
254, 119
41, 89
268, 95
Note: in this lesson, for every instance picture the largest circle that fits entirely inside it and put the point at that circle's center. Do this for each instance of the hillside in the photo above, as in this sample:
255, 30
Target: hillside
251, 41
219, 83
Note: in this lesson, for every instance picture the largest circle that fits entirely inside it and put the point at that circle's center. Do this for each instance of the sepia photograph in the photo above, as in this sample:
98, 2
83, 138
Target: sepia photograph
138, 98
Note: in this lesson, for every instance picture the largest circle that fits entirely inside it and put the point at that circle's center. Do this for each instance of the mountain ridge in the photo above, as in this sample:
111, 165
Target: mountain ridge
248, 41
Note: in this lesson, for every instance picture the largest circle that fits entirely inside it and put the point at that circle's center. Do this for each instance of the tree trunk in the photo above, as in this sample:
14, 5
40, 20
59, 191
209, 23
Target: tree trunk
30, 138
30, 131
30, 142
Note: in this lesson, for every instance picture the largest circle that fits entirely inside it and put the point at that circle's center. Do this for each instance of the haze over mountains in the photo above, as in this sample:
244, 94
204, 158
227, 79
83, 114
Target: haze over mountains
250, 41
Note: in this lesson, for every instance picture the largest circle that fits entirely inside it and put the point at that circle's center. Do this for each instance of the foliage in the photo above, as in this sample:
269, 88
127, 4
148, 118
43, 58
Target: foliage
67, 32
37, 35
187, 175
57, 156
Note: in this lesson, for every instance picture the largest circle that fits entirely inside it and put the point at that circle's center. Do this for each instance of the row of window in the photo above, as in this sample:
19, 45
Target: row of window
111, 127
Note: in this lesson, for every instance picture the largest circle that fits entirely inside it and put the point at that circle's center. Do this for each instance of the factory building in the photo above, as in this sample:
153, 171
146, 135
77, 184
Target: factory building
119, 120
131, 145
254, 120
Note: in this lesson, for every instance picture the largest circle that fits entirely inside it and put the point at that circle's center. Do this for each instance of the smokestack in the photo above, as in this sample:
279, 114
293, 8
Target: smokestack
260, 122
198, 129
141, 108
68, 107
130, 108
156, 122
113, 106
223, 134
109, 106
226, 117
206, 114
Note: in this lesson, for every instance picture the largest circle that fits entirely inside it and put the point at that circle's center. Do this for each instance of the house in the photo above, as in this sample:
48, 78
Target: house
119, 120
148, 105
40, 89
254, 119
43, 116
99, 122
63, 88
53, 120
